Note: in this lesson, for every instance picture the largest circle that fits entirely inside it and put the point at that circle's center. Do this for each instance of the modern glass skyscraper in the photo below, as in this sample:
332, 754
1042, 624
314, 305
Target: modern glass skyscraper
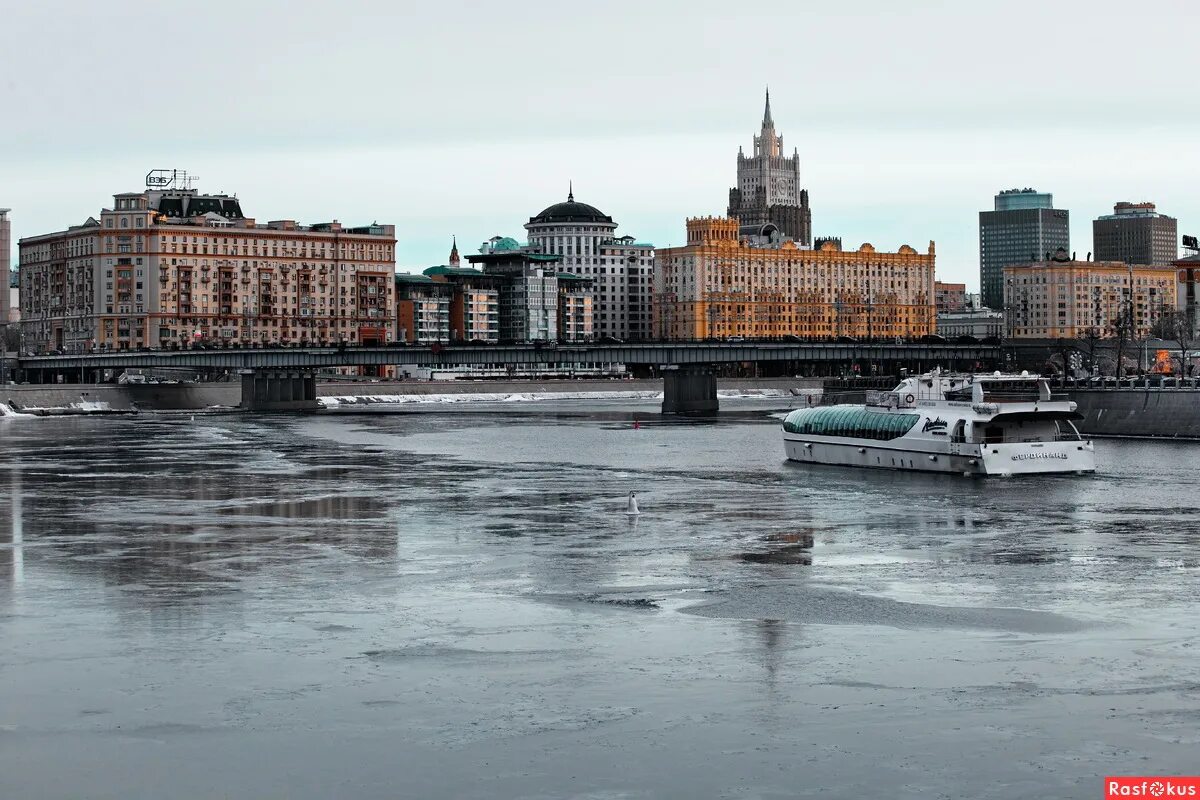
1023, 227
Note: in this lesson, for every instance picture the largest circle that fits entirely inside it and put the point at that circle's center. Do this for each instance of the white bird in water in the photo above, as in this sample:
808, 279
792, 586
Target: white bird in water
632, 508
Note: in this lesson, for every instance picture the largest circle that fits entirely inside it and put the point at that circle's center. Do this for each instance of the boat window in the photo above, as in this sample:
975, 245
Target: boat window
849, 421
958, 436
1067, 432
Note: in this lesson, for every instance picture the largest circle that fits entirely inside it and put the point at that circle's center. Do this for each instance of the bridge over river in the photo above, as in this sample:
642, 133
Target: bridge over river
285, 378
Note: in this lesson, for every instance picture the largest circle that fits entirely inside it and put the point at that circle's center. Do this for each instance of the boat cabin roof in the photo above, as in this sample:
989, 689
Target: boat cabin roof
994, 388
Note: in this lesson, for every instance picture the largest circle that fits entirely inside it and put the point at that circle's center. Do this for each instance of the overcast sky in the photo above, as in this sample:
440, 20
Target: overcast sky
468, 117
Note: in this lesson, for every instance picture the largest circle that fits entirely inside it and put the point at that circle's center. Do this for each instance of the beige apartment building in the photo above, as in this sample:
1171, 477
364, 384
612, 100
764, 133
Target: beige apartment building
167, 267
723, 284
1066, 299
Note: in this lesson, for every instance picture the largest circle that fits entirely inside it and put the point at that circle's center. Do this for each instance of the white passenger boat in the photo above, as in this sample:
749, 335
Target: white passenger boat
941, 422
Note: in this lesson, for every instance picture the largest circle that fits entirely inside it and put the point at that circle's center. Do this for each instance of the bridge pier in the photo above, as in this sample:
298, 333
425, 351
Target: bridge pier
690, 390
279, 390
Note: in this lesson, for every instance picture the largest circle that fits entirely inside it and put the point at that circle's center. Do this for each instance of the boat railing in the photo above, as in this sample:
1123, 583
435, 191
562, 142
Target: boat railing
1010, 397
1023, 397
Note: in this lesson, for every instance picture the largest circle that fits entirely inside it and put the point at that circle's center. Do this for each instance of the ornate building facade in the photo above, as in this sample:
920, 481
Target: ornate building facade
1067, 299
724, 285
165, 268
768, 190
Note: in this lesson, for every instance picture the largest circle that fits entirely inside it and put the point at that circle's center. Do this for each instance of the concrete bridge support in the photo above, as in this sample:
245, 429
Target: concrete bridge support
279, 390
690, 390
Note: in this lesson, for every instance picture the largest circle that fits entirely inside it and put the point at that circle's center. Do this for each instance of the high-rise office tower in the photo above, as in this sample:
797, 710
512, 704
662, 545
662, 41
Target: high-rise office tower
1136, 234
1023, 227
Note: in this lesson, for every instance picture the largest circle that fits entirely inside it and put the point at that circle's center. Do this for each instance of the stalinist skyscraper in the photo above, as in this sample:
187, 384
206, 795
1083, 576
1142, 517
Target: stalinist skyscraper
768, 190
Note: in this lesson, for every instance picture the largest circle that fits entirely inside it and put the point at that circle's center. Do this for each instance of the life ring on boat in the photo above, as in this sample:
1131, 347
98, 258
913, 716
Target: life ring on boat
908, 399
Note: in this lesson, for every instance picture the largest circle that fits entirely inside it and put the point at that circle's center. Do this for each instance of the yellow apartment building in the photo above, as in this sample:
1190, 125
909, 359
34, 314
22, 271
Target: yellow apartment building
725, 284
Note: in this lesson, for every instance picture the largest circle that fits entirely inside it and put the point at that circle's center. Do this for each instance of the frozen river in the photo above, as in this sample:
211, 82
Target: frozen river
453, 604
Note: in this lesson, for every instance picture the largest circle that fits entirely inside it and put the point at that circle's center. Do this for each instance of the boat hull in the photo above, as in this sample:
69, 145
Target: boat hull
1024, 458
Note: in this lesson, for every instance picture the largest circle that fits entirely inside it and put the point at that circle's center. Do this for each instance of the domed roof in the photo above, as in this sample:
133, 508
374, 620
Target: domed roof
571, 211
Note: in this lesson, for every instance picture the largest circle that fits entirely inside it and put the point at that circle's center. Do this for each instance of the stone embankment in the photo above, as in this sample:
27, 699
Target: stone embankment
1143, 412
185, 396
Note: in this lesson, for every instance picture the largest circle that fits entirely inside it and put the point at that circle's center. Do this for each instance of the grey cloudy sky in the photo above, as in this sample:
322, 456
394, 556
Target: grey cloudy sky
468, 117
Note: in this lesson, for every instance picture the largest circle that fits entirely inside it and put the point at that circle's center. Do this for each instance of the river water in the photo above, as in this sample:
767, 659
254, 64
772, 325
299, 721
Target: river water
454, 603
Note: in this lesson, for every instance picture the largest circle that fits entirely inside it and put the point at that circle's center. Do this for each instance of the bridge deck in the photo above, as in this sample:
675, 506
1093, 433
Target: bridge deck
485, 355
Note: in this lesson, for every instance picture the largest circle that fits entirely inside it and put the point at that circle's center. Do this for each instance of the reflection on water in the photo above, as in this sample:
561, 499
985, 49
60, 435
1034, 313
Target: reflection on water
12, 558
176, 506
261, 578
783, 548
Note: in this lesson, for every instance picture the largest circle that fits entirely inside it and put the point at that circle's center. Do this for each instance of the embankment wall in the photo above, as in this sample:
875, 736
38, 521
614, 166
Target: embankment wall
1149, 412
184, 396
1166, 413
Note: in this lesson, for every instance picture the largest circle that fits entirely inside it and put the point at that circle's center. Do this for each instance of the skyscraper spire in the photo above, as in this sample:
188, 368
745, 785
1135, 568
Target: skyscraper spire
454, 260
767, 121
570, 191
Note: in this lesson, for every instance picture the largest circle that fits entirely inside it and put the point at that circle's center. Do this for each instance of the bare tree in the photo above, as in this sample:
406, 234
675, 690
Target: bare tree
1123, 331
1090, 342
1176, 327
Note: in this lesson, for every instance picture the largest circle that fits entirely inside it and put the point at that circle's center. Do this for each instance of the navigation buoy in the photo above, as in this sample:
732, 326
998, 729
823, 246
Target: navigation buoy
632, 509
